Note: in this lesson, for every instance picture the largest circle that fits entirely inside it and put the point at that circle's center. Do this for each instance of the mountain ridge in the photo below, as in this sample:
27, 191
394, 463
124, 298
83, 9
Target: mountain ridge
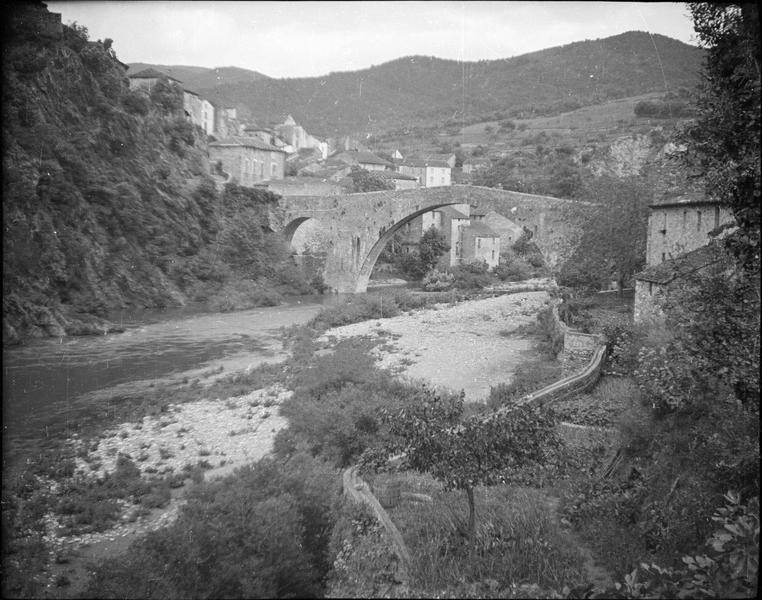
426, 91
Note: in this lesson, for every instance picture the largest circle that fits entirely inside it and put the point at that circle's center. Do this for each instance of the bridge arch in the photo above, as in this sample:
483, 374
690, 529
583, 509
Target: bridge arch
372, 256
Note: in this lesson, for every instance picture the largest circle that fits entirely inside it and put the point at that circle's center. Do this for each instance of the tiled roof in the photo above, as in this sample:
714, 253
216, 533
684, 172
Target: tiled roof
394, 175
682, 265
453, 213
249, 142
152, 73
417, 162
370, 159
481, 230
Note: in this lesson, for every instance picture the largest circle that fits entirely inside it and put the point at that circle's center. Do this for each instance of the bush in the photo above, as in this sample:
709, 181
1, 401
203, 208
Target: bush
516, 270
261, 533
136, 102
435, 281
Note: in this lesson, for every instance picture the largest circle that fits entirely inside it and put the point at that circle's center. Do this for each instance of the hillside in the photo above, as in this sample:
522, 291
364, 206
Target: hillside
425, 91
202, 77
107, 200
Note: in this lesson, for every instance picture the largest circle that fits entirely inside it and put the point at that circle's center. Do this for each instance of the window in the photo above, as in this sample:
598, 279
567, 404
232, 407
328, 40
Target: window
274, 169
493, 255
685, 218
458, 249
663, 256
716, 216
478, 242
698, 220
650, 288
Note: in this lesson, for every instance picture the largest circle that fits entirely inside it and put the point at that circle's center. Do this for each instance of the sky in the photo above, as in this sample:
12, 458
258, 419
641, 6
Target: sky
309, 39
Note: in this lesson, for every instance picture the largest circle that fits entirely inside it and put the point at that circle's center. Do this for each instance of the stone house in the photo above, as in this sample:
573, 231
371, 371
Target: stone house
248, 160
363, 159
147, 78
297, 137
193, 106
468, 240
207, 116
677, 242
475, 164
400, 180
448, 158
432, 173
226, 122
478, 242
508, 231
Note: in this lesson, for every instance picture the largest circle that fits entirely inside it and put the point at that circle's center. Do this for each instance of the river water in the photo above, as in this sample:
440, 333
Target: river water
49, 384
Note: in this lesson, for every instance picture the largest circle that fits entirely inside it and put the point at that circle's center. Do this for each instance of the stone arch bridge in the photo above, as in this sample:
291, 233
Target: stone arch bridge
358, 226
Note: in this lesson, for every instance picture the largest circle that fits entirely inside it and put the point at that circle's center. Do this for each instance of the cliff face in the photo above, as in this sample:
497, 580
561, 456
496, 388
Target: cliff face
106, 196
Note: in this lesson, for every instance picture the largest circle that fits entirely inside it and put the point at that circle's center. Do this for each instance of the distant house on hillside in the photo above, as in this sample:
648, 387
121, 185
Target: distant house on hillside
677, 244
248, 160
400, 180
448, 157
429, 173
297, 137
475, 164
147, 78
362, 158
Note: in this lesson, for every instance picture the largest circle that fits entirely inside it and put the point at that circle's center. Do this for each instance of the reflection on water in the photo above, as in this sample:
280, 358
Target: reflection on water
47, 383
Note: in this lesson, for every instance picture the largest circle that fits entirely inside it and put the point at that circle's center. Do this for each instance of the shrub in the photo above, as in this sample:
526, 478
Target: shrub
136, 102
516, 270
436, 281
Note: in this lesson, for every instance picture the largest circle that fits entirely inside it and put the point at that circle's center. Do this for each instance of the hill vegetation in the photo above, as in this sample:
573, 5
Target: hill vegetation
107, 201
202, 77
424, 91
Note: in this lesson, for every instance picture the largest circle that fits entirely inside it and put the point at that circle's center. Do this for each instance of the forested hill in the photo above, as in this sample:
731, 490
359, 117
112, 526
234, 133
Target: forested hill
107, 201
419, 90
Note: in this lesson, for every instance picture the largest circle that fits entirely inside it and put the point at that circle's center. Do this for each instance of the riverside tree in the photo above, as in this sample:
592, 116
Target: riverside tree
502, 447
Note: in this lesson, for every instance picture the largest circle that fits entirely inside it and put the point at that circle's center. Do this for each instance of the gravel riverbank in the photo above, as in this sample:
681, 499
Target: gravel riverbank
470, 346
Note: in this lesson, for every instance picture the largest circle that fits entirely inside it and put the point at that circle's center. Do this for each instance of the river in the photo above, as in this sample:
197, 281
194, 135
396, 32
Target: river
48, 384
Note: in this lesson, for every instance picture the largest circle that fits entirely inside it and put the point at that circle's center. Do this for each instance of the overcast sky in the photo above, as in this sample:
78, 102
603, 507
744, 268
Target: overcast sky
307, 39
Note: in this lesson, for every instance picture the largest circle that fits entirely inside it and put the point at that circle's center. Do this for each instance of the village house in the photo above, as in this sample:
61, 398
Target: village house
447, 157
400, 180
475, 164
226, 122
363, 159
432, 173
468, 240
297, 137
508, 231
248, 160
147, 78
677, 244
478, 242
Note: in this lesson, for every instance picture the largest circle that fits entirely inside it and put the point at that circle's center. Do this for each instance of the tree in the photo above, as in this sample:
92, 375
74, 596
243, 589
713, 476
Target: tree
613, 242
365, 181
724, 140
432, 246
464, 453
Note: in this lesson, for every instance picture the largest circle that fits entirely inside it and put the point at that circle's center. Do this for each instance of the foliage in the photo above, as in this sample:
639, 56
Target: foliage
465, 453
472, 275
366, 181
515, 270
436, 281
713, 317
517, 540
665, 109
530, 376
601, 407
167, 96
262, 532
432, 245
613, 243
724, 140
729, 571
